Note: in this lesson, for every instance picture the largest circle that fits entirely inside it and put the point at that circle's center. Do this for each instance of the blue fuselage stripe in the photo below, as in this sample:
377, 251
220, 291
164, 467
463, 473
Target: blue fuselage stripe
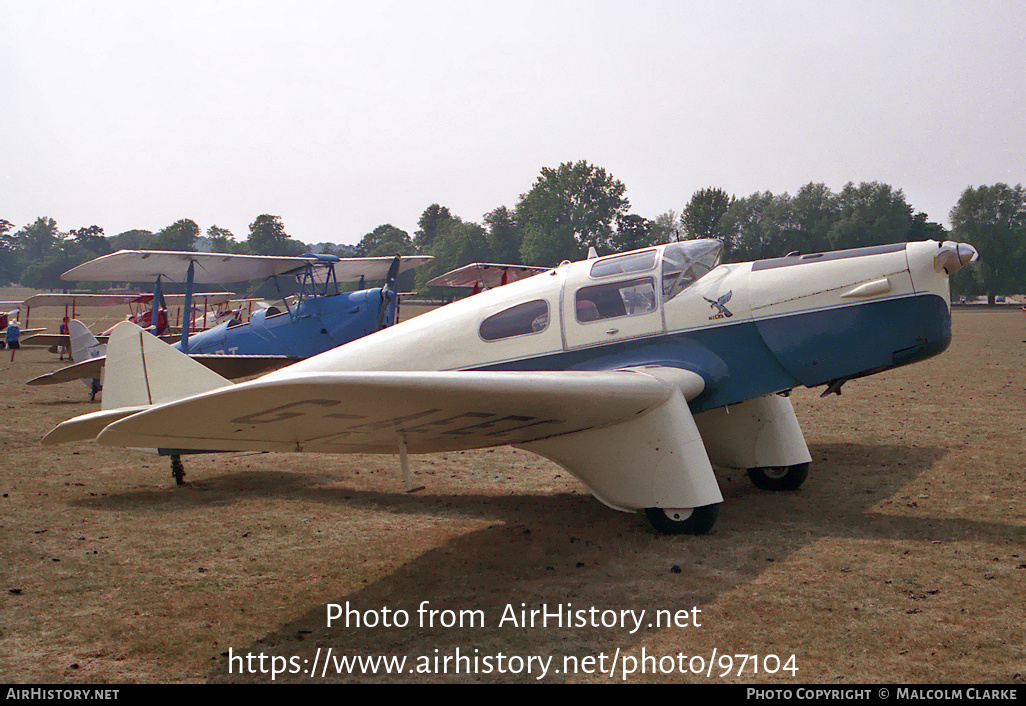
753, 358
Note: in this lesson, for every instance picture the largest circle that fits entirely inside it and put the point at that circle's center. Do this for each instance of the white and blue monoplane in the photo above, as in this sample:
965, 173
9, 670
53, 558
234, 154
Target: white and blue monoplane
614, 367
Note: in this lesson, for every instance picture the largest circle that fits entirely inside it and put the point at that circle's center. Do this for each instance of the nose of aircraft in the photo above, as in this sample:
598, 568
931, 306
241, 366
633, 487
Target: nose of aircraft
953, 256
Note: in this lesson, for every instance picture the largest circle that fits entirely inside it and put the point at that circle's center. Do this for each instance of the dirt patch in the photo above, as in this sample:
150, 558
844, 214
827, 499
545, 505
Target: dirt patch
902, 559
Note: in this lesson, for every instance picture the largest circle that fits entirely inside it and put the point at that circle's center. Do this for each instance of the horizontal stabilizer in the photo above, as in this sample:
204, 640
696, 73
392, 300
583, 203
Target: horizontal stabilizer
87, 426
86, 370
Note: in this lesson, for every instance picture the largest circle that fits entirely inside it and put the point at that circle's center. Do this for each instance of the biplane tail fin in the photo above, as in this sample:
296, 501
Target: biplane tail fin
83, 343
142, 370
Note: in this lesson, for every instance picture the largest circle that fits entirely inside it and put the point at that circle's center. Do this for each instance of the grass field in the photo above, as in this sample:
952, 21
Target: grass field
902, 559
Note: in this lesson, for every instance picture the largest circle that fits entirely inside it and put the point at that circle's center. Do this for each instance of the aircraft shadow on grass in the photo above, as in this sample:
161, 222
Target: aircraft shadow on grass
573, 554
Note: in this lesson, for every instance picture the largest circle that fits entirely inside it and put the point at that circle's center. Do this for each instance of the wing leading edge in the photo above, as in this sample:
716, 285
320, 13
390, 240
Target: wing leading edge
370, 412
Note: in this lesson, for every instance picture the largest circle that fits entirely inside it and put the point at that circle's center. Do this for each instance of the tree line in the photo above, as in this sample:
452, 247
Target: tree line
577, 206
37, 254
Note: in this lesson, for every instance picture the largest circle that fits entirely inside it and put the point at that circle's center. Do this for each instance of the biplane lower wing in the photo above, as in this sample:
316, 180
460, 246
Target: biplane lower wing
51, 340
30, 336
227, 366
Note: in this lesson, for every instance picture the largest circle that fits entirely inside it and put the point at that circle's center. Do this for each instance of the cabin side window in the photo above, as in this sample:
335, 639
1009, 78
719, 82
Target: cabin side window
519, 320
609, 301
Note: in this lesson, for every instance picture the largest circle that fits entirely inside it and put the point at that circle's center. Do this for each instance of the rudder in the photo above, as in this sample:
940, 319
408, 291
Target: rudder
143, 370
83, 343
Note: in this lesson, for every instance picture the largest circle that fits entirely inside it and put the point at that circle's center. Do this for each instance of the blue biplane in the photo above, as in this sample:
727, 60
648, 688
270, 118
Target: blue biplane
319, 317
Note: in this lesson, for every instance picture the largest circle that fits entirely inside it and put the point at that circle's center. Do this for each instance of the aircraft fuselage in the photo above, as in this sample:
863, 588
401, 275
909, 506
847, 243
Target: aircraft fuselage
748, 329
314, 325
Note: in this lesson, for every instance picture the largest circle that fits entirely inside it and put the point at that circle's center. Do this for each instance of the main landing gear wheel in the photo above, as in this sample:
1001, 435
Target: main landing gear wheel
779, 477
697, 520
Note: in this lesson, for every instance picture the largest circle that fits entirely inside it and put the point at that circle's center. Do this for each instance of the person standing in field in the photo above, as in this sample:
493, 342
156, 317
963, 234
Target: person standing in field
13, 333
64, 332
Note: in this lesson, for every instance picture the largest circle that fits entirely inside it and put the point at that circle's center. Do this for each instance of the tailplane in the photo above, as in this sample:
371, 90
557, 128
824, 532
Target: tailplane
140, 371
143, 370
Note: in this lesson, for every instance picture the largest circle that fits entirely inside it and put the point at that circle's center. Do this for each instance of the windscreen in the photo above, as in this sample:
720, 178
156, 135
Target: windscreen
684, 263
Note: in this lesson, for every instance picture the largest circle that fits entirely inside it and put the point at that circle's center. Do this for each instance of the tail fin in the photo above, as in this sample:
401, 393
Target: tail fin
143, 370
83, 343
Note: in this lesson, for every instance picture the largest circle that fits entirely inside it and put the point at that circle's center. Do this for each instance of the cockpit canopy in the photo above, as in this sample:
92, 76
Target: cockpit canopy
685, 262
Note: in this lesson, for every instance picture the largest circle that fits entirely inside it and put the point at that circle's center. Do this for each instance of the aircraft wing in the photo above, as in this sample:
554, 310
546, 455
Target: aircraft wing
211, 268
487, 274
33, 333
81, 300
227, 366
214, 268
243, 366
46, 339
373, 269
370, 412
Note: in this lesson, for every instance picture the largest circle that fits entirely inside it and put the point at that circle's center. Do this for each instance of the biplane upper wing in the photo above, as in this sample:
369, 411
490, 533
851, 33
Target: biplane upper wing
211, 268
214, 268
487, 274
82, 300
374, 269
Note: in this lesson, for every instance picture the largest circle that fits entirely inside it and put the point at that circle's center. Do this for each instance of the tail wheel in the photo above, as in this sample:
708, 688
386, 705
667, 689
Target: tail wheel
779, 477
698, 520
177, 470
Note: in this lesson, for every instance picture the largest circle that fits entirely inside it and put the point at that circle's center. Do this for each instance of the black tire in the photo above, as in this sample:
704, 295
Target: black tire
699, 521
177, 470
779, 477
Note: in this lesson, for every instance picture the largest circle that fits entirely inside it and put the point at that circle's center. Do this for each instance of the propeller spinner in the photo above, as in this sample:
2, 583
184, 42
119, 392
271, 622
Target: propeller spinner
954, 256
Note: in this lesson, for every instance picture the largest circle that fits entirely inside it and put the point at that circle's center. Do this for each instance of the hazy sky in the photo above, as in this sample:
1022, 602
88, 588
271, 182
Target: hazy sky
341, 116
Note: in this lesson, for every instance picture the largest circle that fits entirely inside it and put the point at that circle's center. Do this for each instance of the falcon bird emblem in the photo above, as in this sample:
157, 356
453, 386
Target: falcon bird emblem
720, 302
